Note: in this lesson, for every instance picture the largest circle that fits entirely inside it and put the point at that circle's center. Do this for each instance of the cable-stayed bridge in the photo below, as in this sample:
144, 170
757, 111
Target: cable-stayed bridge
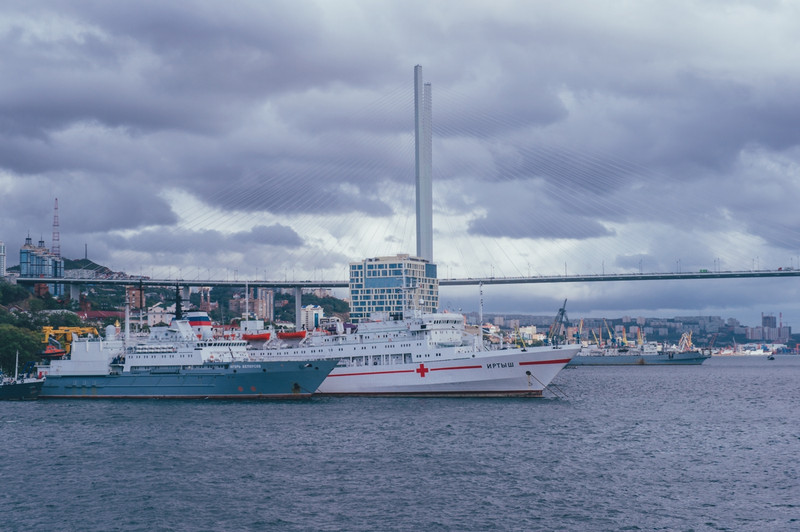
74, 284
299, 284
578, 278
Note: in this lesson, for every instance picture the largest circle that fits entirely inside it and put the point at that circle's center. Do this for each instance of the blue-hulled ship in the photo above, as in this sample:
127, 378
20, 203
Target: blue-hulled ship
177, 363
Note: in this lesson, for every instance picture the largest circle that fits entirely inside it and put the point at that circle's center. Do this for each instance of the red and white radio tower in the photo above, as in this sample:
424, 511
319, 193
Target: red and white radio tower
56, 249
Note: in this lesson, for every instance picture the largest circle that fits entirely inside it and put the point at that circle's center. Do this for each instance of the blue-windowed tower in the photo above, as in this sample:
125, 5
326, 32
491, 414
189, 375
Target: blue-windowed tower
37, 261
396, 285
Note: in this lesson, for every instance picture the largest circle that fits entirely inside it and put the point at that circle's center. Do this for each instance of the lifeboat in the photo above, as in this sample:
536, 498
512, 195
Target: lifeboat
52, 351
256, 337
295, 335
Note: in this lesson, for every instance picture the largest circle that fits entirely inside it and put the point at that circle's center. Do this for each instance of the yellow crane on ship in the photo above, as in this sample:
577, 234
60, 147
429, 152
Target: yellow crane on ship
62, 336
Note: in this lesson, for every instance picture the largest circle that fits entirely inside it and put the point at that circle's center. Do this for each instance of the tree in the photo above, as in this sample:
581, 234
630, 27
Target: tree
64, 319
11, 293
14, 339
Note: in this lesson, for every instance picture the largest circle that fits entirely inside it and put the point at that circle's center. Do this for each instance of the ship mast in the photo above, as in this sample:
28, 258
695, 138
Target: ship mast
127, 334
480, 313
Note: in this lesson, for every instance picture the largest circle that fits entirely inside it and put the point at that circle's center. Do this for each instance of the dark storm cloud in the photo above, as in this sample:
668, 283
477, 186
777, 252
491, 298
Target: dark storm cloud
151, 66
187, 241
291, 187
505, 224
188, 70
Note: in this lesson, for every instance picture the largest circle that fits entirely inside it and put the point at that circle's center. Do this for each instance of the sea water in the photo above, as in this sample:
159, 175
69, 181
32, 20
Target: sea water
711, 447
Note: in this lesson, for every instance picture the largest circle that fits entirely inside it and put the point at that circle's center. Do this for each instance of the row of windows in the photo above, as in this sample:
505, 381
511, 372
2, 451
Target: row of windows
411, 265
383, 300
152, 356
380, 360
382, 308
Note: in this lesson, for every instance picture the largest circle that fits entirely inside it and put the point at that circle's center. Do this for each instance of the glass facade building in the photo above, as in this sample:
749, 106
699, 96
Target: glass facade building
393, 285
37, 261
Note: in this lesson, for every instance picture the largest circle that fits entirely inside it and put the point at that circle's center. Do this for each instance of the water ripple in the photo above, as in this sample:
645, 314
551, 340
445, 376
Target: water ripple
673, 448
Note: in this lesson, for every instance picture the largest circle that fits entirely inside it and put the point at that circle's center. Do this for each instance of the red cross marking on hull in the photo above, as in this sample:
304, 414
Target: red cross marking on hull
422, 370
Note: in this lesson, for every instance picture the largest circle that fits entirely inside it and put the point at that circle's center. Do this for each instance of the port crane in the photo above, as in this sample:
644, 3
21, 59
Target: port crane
560, 323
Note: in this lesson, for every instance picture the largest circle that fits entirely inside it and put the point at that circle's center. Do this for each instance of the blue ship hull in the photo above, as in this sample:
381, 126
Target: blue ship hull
664, 359
230, 380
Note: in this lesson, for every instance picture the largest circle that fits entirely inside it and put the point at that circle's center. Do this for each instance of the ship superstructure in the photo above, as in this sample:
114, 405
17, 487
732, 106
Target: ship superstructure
174, 363
427, 354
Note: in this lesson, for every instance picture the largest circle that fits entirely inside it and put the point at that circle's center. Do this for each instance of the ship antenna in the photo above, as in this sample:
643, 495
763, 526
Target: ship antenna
178, 311
127, 333
480, 312
404, 293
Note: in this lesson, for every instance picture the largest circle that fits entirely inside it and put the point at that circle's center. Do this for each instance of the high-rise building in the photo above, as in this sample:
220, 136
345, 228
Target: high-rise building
2, 259
395, 285
37, 261
260, 307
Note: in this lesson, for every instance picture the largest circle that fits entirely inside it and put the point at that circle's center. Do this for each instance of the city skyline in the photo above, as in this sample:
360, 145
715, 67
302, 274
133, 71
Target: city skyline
278, 141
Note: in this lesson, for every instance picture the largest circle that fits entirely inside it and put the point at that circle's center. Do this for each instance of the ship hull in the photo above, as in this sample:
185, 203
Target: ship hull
22, 391
234, 380
661, 359
504, 373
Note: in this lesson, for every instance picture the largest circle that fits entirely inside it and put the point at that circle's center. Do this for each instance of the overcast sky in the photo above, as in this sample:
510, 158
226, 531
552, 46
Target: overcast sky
275, 140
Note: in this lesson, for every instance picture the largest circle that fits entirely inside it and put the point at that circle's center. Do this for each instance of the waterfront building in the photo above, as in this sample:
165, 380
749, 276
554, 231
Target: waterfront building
392, 284
135, 296
311, 317
322, 292
158, 315
38, 261
81, 273
259, 303
530, 334
771, 334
